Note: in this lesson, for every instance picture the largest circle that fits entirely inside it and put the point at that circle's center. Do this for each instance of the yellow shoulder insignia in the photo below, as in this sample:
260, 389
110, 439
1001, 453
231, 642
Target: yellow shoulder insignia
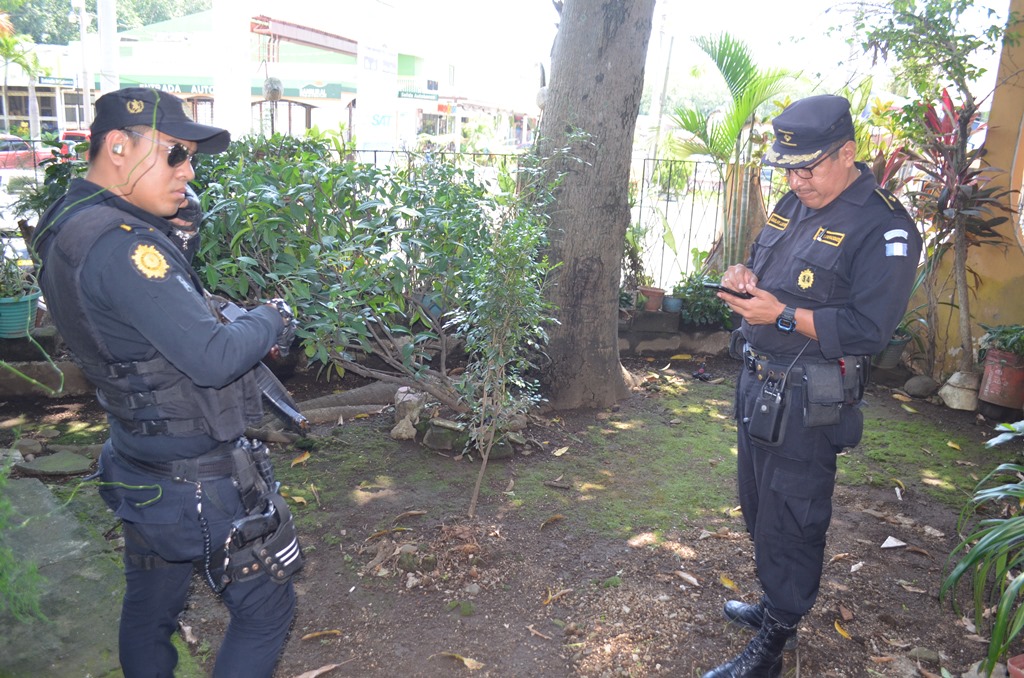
778, 222
126, 227
890, 201
150, 262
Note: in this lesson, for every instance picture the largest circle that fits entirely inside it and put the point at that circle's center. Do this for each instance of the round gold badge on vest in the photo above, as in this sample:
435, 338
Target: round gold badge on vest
150, 262
806, 279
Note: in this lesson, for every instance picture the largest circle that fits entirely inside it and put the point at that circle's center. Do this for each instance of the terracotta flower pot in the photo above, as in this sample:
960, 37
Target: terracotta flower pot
654, 295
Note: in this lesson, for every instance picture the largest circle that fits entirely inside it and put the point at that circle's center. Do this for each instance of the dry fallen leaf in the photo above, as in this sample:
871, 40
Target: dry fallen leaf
950, 443
300, 459
925, 673
900, 483
320, 671
470, 664
908, 408
361, 415
318, 634
560, 451
907, 586
856, 566
408, 514
840, 556
728, 583
687, 577
842, 631
553, 519
901, 397
552, 597
681, 356
298, 500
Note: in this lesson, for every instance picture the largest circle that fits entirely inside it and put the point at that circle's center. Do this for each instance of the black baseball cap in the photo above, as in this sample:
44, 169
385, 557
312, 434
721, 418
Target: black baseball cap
807, 129
162, 111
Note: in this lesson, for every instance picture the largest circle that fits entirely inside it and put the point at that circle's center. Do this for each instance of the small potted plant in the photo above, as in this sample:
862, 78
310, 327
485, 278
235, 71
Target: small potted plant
1002, 350
19, 297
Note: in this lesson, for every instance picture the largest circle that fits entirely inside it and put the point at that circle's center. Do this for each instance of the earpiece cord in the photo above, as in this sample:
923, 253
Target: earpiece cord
68, 208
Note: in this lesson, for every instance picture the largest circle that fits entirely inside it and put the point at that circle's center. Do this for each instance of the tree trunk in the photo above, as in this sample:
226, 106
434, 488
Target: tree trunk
963, 297
593, 98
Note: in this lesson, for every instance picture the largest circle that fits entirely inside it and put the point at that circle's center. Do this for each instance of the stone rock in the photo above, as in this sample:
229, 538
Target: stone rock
28, 446
925, 654
92, 451
10, 455
960, 392
404, 430
408, 404
444, 438
59, 464
921, 386
518, 422
407, 562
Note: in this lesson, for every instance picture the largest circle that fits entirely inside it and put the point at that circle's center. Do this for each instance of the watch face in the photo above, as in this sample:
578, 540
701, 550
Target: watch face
786, 322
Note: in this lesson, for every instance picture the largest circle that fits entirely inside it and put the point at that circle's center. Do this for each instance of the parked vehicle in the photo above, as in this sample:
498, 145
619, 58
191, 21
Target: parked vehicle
16, 153
70, 139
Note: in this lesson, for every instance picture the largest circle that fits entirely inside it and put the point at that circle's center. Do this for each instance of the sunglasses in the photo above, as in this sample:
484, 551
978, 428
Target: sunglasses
177, 153
808, 172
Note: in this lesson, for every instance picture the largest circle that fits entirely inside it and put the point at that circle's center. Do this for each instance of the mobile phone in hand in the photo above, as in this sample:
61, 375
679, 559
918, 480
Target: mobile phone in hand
719, 288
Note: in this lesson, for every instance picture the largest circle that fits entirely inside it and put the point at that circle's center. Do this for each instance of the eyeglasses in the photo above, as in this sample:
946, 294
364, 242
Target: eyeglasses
808, 172
177, 153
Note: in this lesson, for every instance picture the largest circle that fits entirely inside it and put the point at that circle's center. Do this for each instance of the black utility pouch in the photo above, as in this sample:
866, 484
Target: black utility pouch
823, 394
767, 421
858, 371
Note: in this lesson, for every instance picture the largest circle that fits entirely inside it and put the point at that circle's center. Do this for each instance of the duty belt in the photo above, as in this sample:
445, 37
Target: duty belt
213, 465
765, 366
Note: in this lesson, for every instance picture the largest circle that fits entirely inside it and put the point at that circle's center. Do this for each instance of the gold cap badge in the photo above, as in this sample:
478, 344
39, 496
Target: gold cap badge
135, 106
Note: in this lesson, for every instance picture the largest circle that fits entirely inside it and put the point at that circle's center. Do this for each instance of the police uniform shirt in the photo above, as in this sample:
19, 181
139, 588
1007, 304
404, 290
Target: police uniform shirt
852, 262
140, 293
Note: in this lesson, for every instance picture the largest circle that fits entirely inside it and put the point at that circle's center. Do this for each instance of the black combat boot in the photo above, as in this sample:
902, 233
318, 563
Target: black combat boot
762, 657
752, 616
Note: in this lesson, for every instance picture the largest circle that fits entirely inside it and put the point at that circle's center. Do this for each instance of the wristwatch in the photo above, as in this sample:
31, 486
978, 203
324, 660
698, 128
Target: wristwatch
786, 322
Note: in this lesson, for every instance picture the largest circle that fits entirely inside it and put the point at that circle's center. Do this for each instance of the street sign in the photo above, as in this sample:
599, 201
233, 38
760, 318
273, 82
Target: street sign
56, 82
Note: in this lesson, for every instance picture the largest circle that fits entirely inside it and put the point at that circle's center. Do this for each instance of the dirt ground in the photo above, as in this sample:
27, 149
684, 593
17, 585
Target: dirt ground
505, 595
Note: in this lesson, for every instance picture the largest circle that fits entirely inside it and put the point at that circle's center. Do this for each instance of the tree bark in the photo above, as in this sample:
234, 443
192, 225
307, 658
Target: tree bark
593, 98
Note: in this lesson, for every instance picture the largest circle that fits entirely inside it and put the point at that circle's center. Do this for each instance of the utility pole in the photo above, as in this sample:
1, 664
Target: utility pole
83, 26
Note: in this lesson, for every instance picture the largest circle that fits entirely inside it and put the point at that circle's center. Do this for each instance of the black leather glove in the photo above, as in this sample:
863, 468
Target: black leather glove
287, 335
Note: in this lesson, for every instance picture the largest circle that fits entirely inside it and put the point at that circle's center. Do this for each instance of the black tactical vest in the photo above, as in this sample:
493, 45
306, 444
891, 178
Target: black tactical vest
149, 397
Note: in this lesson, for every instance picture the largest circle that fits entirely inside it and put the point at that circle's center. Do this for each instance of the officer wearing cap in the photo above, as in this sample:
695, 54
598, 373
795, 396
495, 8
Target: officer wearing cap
177, 385
829, 276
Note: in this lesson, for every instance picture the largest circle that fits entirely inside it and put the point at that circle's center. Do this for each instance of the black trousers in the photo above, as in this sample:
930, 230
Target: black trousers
163, 541
785, 493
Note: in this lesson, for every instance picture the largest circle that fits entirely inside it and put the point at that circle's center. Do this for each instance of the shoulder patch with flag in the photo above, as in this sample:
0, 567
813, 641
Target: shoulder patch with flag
896, 243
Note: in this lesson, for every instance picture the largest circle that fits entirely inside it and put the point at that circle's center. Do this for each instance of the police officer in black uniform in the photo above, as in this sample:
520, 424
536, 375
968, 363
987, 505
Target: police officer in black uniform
829, 278
177, 386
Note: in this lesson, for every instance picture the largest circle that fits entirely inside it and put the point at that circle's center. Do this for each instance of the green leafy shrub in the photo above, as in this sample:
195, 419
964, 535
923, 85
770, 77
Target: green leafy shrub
992, 555
702, 309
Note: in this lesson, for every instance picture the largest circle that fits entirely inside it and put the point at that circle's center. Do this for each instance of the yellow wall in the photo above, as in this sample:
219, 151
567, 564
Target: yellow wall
1000, 295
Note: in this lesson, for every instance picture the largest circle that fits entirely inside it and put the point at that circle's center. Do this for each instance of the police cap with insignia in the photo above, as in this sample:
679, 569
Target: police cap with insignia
808, 129
134, 106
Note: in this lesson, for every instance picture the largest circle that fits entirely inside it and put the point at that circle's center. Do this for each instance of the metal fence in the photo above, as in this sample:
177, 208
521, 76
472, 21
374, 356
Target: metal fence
678, 207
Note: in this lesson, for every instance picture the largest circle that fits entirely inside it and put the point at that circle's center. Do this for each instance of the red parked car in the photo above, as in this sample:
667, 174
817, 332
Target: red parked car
70, 138
16, 153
